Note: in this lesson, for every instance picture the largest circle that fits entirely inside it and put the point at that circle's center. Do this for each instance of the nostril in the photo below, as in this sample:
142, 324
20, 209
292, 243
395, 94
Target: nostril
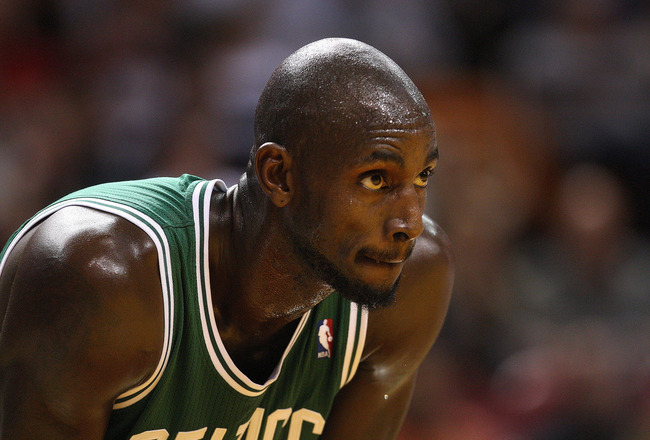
400, 236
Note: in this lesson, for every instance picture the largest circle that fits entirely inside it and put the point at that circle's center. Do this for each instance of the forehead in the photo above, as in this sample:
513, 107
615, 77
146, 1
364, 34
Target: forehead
371, 111
397, 145
389, 107
413, 146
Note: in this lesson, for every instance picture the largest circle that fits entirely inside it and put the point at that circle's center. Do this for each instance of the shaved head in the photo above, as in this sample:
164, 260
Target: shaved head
330, 107
331, 88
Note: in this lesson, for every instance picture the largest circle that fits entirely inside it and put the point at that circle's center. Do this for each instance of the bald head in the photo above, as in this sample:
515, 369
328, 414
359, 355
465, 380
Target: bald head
331, 88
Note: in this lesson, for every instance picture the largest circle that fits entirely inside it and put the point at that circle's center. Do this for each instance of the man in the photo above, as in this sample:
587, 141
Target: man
182, 309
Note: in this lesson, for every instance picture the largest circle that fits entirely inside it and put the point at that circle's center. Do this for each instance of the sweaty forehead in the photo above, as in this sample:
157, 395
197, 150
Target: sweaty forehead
379, 108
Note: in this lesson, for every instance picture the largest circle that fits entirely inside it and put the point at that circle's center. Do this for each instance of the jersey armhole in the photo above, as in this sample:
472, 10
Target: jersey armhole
157, 235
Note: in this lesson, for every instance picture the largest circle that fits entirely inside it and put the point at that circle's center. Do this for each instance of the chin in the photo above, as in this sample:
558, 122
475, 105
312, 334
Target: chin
368, 296
368, 289
370, 284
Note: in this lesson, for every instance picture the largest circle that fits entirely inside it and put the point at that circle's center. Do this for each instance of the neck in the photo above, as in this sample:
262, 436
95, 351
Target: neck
259, 285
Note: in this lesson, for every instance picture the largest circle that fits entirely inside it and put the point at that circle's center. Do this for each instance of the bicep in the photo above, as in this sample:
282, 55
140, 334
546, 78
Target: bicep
45, 346
370, 407
66, 347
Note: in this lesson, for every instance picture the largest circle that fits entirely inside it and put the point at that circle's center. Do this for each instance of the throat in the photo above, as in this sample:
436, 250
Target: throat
257, 358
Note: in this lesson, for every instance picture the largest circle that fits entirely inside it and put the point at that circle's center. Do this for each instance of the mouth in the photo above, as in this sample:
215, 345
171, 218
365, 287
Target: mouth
387, 258
381, 261
377, 268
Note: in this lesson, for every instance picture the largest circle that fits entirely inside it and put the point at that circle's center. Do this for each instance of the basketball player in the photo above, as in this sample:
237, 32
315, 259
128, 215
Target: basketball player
177, 308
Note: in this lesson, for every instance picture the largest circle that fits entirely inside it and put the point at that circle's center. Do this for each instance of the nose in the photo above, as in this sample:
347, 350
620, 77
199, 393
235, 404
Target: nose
404, 222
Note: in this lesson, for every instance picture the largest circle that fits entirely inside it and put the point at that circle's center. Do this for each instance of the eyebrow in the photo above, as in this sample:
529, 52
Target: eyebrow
433, 155
385, 155
382, 155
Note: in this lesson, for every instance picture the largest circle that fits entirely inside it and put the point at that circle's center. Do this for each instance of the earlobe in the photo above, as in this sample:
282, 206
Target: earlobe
273, 167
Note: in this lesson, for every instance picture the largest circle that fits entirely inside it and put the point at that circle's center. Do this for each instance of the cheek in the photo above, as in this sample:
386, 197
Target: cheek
333, 233
352, 228
335, 222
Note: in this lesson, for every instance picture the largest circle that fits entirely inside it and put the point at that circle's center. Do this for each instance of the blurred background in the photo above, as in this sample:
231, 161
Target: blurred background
543, 118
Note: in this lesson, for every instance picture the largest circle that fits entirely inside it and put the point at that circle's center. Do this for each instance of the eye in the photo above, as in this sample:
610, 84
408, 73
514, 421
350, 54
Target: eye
423, 178
374, 181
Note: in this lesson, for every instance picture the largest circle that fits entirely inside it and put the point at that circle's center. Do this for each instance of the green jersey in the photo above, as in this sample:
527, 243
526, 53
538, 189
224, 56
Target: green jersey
196, 391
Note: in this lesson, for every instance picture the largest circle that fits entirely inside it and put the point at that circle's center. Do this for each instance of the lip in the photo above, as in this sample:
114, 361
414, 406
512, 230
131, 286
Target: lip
382, 261
400, 261
395, 256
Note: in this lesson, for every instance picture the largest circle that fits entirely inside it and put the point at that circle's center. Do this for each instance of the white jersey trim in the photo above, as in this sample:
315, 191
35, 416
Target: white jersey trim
363, 328
353, 352
226, 368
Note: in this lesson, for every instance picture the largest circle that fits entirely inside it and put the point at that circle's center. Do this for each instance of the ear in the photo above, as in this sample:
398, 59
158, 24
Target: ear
273, 167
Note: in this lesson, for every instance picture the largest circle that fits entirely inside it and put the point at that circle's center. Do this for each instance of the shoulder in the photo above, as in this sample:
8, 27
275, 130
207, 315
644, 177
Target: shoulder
87, 282
406, 331
432, 256
102, 249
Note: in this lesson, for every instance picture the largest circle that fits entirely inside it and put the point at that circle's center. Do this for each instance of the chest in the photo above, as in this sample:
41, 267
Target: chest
257, 359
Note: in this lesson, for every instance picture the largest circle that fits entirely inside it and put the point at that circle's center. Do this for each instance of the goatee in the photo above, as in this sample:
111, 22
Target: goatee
367, 296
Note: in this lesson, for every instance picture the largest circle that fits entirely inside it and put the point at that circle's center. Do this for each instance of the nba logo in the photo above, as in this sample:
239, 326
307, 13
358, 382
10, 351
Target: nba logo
325, 338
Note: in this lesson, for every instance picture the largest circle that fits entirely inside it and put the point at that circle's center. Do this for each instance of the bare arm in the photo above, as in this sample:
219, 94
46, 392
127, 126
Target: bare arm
374, 403
81, 323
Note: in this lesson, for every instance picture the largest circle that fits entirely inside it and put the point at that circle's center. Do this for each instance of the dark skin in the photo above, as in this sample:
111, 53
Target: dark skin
81, 303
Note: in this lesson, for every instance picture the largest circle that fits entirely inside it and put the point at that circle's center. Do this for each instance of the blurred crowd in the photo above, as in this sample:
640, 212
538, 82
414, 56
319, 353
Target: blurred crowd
543, 117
